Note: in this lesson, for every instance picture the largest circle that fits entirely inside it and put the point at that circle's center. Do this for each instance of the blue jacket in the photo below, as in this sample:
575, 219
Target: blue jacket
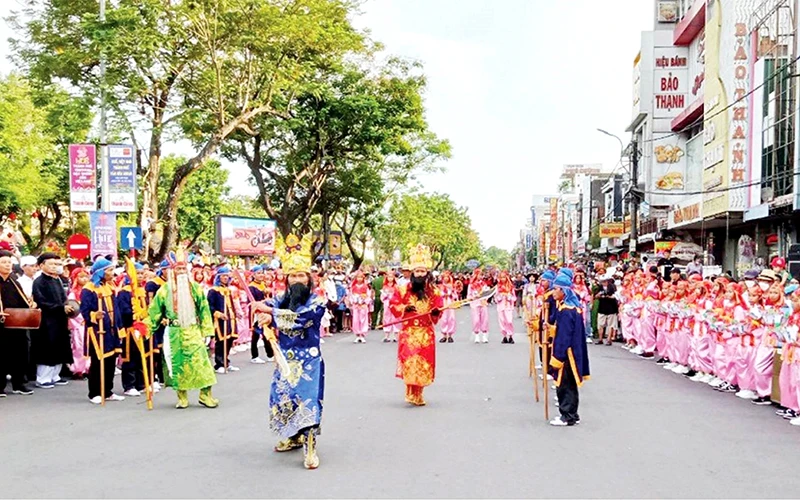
569, 345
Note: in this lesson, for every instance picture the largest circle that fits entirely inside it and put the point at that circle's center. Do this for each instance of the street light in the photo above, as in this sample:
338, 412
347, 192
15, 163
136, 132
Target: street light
634, 184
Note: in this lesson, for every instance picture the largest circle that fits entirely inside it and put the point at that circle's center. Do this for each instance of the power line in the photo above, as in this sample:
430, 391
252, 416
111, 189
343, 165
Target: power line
729, 188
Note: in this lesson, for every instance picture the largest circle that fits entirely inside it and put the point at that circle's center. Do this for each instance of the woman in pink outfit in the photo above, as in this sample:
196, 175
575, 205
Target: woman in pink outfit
448, 320
358, 299
390, 285
766, 341
80, 364
479, 308
505, 299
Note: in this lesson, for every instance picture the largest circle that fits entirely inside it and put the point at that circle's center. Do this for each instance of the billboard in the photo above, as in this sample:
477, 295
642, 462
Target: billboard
103, 230
245, 236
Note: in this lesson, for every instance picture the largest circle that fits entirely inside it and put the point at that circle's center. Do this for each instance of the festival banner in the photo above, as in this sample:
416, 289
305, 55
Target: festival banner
119, 193
542, 250
82, 178
335, 245
103, 230
245, 236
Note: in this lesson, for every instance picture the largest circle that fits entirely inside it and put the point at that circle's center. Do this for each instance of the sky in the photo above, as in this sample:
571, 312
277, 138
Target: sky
519, 88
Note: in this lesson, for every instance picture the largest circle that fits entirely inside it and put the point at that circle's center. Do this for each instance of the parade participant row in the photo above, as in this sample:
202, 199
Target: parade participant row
720, 332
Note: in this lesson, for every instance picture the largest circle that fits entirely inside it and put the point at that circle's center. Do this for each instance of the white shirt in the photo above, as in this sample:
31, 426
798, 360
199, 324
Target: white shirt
27, 285
330, 289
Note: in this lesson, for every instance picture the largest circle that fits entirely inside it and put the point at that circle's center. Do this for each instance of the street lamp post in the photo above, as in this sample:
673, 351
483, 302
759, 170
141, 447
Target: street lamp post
634, 197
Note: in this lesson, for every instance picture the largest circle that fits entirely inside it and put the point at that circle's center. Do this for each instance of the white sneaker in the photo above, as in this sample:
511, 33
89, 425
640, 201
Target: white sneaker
156, 387
795, 421
550, 377
115, 397
697, 377
321, 341
707, 378
557, 422
714, 382
133, 393
746, 394
257, 361
669, 366
637, 350
477, 339
232, 368
485, 338
362, 340
681, 370
96, 400
589, 340
220, 370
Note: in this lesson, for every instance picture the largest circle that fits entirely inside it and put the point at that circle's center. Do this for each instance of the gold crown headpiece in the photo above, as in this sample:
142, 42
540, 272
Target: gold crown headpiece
294, 254
419, 257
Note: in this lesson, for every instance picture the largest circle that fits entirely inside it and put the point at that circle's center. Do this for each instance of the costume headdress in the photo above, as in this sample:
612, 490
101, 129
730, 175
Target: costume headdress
419, 257
295, 255
222, 270
564, 282
99, 270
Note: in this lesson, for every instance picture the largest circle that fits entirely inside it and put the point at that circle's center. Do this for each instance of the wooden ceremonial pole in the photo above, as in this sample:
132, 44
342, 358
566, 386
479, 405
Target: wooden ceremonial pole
545, 360
534, 372
102, 357
148, 388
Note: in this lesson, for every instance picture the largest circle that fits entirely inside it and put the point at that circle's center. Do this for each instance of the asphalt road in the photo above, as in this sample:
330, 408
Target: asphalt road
645, 433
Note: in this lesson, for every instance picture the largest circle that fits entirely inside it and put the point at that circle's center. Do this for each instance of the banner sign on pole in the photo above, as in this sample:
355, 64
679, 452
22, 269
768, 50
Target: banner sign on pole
82, 178
103, 229
120, 185
245, 236
335, 245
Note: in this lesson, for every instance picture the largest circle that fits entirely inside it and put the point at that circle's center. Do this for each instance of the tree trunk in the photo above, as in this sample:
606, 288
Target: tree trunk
182, 174
150, 191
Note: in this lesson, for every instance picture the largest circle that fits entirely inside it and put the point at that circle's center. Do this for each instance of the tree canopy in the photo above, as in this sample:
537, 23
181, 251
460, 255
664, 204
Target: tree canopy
433, 220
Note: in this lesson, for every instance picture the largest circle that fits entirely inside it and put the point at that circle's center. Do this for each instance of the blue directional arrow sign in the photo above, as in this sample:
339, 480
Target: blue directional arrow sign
130, 238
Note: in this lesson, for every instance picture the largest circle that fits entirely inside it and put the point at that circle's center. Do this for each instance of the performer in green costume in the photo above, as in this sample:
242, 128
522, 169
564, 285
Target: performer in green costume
182, 308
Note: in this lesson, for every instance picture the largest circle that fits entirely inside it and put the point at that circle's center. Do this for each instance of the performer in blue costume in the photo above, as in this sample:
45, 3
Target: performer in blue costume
156, 341
224, 316
297, 387
569, 358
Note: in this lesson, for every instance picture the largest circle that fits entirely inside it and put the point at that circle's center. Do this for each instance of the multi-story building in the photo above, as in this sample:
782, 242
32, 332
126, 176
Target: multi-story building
714, 120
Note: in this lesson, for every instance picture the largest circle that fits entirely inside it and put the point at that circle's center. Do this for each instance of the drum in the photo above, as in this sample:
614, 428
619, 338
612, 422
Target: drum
76, 309
21, 318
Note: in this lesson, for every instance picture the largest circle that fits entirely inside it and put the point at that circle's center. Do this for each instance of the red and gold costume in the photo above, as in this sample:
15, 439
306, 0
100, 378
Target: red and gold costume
416, 353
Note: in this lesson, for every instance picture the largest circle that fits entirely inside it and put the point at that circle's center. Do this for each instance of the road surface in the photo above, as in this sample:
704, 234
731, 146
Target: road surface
645, 433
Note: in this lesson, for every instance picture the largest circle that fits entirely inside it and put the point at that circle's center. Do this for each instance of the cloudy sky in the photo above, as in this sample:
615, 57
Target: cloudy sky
519, 87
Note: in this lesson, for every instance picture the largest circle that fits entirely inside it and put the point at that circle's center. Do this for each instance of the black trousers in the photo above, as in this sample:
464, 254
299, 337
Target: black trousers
219, 352
132, 374
13, 357
94, 374
258, 333
338, 316
567, 394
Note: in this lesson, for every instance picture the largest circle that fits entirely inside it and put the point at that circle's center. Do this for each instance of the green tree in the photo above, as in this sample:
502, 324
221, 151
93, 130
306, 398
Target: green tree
208, 67
434, 220
203, 199
357, 131
36, 126
496, 257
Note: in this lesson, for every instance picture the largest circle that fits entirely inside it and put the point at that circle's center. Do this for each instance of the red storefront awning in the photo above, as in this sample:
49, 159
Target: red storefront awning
689, 115
691, 24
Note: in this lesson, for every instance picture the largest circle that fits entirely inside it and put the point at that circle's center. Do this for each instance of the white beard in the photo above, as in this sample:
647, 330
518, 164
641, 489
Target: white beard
186, 309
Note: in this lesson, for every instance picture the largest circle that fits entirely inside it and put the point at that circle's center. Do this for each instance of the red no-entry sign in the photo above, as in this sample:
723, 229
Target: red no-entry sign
79, 246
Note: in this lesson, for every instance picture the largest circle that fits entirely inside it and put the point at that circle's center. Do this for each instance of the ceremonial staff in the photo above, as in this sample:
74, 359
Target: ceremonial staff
453, 305
545, 356
139, 311
102, 354
280, 359
533, 332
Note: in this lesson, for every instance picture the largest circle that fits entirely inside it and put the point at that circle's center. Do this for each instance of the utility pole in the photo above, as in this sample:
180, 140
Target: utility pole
634, 195
103, 170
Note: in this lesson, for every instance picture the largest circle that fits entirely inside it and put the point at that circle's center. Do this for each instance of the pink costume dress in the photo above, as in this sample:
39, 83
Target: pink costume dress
647, 328
788, 380
700, 343
80, 364
239, 300
746, 351
359, 301
387, 292
505, 311
478, 309
626, 317
763, 362
448, 320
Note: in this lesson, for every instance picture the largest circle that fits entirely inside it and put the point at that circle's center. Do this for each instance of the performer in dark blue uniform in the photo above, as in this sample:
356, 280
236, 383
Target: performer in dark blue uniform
224, 317
569, 358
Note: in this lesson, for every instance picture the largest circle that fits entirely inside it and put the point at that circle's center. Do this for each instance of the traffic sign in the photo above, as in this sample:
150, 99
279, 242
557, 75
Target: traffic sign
79, 246
130, 238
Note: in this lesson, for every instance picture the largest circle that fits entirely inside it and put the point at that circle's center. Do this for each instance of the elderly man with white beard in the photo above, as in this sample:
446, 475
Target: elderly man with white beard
182, 308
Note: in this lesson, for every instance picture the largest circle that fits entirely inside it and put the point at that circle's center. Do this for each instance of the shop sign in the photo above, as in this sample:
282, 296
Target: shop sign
686, 213
714, 156
670, 81
739, 111
667, 11
612, 230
